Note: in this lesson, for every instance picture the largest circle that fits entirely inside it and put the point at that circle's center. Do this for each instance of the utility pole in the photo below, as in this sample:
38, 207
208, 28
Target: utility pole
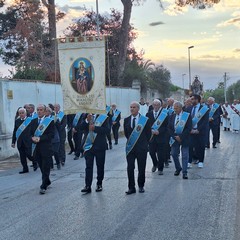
225, 86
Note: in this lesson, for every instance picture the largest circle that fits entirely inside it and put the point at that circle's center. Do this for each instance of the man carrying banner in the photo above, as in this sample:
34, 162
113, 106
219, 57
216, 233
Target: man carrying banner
21, 135
158, 119
199, 132
115, 122
214, 121
78, 134
95, 147
138, 133
42, 132
179, 127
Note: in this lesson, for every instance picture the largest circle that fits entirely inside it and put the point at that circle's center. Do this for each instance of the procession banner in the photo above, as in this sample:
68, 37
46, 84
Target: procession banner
82, 69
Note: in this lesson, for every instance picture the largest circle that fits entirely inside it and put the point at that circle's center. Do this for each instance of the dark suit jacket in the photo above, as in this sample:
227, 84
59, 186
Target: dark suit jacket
62, 131
100, 142
184, 136
70, 118
143, 140
216, 116
203, 124
163, 130
44, 147
118, 120
24, 138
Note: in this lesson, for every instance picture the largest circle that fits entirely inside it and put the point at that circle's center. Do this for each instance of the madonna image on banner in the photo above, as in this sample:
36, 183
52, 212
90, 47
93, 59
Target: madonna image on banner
82, 75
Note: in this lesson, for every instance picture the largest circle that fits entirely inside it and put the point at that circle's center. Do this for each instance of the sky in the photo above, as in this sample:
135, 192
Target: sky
214, 33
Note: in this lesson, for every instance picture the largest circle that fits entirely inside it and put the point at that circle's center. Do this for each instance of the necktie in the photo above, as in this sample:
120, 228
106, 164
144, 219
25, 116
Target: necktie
134, 123
155, 115
177, 121
193, 111
39, 121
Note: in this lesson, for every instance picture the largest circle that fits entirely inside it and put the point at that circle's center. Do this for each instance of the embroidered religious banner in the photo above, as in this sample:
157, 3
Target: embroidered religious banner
82, 69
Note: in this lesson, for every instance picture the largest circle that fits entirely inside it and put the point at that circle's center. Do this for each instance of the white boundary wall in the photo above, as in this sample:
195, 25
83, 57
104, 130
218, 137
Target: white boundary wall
41, 92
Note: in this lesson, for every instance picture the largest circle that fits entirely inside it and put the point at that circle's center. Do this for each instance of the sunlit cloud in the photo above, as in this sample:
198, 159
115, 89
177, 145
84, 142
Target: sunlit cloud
235, 21
71, 15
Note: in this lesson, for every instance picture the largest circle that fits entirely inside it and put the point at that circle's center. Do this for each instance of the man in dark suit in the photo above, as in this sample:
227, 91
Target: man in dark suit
179, 127
139, 148
115, 122
43, 144
23, 140
199, 131
158, 141
97, 151
78, 136
62, 132
214, 123
70, 118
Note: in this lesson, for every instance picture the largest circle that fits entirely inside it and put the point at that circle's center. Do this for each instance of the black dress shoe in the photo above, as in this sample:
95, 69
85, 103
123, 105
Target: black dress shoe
185, 176
116, 143
70, 152
131, 191
76, 158
24, 171
99, 188
214, 146
141, 189
86, 190
35, 168
177, 172
42, 191
63, 163
110, 146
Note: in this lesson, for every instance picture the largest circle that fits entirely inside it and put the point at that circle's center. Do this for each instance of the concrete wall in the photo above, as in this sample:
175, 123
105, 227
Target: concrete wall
16, 93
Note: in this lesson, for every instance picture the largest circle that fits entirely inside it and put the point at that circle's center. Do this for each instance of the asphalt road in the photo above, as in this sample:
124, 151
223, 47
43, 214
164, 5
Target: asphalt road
204, 207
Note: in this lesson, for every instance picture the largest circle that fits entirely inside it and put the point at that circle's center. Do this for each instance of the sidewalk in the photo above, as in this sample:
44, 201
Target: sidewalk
10, 163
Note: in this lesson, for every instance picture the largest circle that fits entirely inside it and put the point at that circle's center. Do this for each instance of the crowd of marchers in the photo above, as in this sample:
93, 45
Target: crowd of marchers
163, 129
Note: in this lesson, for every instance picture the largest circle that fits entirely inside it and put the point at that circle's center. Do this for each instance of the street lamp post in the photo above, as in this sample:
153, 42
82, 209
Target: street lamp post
189, 66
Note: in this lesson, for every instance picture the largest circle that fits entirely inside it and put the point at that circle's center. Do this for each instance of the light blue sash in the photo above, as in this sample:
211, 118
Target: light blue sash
41, 129
108, 108
213, 110
157, 124
136, 134
159, 121
180, 126
170, 111
115, 116
35, 115
60, 116
23, 126
199, 115
92, 135
76, 119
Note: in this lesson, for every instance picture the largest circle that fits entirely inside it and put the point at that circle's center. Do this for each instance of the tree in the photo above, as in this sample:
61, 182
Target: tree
110, 26
27, 41
125, 26
160, 79
233, 91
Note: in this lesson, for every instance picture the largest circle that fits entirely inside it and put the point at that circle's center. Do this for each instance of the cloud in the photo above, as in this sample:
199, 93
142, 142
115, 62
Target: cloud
156, 23
72, 14
232, 21
67, 8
